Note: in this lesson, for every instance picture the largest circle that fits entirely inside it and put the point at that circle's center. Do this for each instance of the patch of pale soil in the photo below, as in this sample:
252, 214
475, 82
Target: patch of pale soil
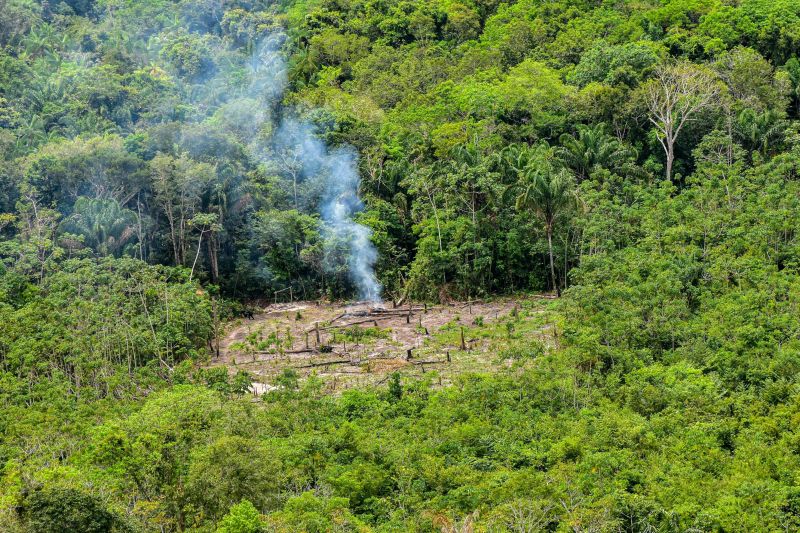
348, 344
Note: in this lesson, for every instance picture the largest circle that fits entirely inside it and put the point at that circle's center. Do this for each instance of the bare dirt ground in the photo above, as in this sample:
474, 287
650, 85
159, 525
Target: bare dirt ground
361, 344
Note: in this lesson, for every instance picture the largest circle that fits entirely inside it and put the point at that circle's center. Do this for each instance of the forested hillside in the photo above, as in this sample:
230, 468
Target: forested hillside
163, 162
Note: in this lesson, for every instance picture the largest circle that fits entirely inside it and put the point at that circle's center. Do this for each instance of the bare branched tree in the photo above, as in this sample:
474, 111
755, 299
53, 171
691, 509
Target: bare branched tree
529, 516
675, 96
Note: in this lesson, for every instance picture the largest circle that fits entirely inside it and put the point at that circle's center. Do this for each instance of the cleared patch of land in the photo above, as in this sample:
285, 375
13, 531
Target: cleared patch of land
362, 344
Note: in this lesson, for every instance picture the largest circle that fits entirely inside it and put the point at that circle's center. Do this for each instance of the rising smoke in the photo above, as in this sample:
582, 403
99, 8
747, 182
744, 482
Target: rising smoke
340, 203
335, 171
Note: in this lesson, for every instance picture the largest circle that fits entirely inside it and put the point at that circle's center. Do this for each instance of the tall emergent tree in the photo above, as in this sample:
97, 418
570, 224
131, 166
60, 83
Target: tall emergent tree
675, 96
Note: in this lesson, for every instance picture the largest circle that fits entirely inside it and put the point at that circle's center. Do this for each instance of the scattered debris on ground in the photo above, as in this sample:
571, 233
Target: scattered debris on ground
363, 343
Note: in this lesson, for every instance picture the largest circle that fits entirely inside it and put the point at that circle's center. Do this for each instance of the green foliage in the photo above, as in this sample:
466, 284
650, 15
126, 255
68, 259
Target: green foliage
189, 54
503, 147
624, 65
68, 510
90, 319
315, 515
242, 518
288, 379
105, 226
358, 334
395, 386
428, 93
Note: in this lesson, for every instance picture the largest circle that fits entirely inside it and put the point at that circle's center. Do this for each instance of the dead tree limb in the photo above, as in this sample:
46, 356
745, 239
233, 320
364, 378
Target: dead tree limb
325, 363
429, 362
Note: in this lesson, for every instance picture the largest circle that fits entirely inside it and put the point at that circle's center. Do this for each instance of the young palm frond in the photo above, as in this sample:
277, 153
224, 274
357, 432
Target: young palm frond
592, 148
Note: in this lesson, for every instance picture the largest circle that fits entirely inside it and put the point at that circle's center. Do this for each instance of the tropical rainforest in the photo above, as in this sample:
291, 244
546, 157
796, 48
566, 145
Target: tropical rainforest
638, 160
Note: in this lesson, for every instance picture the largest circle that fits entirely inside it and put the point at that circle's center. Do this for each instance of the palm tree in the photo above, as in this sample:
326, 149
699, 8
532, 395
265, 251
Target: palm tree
106, 225
31, 133
760, 131
543, 186
303, 66
592, 148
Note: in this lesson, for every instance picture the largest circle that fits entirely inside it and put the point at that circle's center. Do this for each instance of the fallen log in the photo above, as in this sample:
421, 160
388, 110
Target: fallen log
288, 352
398, 311
429, 362
357, 322
326, 363
374, 318
384, 356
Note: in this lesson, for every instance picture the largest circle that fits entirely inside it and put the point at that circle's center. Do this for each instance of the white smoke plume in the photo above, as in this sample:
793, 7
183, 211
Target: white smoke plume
335, 170
340, 203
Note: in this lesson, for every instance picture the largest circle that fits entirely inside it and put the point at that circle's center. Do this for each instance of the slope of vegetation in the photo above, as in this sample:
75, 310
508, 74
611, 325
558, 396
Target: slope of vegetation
638, 158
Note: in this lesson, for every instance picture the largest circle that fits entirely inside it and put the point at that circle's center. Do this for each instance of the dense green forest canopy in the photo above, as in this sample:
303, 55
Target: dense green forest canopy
639, 157
131, 122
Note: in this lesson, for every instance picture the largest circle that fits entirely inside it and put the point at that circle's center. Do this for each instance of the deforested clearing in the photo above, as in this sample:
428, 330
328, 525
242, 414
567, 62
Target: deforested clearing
434, 266
363, 343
